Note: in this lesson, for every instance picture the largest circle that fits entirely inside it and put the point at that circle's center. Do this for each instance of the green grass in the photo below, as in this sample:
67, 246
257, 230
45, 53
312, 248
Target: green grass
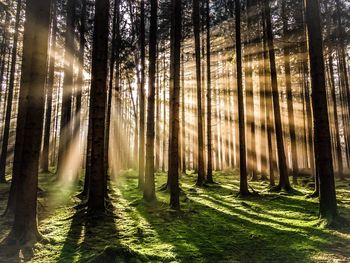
213, 225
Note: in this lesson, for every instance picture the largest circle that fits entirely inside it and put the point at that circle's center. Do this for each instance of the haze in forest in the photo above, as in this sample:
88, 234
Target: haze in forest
174, 131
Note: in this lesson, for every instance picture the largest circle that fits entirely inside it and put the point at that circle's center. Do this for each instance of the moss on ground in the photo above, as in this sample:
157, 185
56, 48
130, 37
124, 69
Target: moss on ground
213, 225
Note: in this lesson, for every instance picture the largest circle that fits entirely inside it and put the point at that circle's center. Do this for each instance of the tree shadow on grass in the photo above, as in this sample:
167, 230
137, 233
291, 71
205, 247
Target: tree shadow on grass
93, 237
212, 230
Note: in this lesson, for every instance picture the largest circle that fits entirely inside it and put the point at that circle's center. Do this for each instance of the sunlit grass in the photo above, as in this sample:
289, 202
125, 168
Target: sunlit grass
213, 226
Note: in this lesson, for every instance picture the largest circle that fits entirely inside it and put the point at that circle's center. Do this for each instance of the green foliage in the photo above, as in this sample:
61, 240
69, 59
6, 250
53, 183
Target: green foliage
213, 225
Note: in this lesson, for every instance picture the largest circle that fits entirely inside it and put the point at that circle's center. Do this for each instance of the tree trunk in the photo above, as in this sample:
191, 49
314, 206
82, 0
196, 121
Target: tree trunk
209, 116
323, 155
243, 188
5, 137
149, 187
200, 139
175, 60
66, 110
142, 100
98, 99
30, 120
282, 164
290, 107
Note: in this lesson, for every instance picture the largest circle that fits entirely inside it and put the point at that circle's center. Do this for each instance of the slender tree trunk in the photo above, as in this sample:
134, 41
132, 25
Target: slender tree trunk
66, 109
243, 189
183, 119
114, 52
339, 157
282, 164
50, 83
209, 116
149, 187
142, 99
288, 78
200, 154
11, 87
175, 61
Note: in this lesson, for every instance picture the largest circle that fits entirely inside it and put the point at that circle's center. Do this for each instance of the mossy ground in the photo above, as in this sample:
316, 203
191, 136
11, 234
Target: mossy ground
212, 226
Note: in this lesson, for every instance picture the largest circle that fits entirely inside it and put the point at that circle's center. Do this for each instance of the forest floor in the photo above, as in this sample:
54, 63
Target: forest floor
212, 226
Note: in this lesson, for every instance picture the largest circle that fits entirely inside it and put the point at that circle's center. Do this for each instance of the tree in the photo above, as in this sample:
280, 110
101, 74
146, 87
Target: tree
98, 99
243, 189
323, 152
282, 164
287, 69
5, 137
66, 110
209, 116
149, 187
142, 98
175, 61
49, 90
30, 120
200, 143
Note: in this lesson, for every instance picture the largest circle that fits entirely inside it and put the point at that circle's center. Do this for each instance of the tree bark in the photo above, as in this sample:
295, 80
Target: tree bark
175, 60
323, 155
98, 99
30, 120
243, 187
149, 187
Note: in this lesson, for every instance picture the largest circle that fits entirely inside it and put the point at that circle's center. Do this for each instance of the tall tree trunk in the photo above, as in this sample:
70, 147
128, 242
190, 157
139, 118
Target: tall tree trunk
50, 83
114, 53
183, 119
149, 187
243, 188
209, 116
175, 61
80, 77
290, 107
5, 137
98, 99
142, 99
30, 120
282, 164
200, 139
66, 109
323, 155
250, 97
338, 151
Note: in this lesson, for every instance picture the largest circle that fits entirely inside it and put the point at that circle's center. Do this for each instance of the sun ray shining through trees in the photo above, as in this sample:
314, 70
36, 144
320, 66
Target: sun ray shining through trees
174, 131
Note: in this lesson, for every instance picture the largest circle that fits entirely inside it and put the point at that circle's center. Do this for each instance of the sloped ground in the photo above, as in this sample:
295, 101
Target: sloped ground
213, 226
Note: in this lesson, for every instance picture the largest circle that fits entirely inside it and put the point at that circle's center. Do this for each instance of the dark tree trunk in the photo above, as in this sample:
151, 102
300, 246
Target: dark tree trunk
209, 116
200, 154
183, 119
50, 83
142, 100
30, 120
5, 137
175, 61
282, 164
243, 188
114, 53
290, 107
149, 187
98, 99
323, 155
